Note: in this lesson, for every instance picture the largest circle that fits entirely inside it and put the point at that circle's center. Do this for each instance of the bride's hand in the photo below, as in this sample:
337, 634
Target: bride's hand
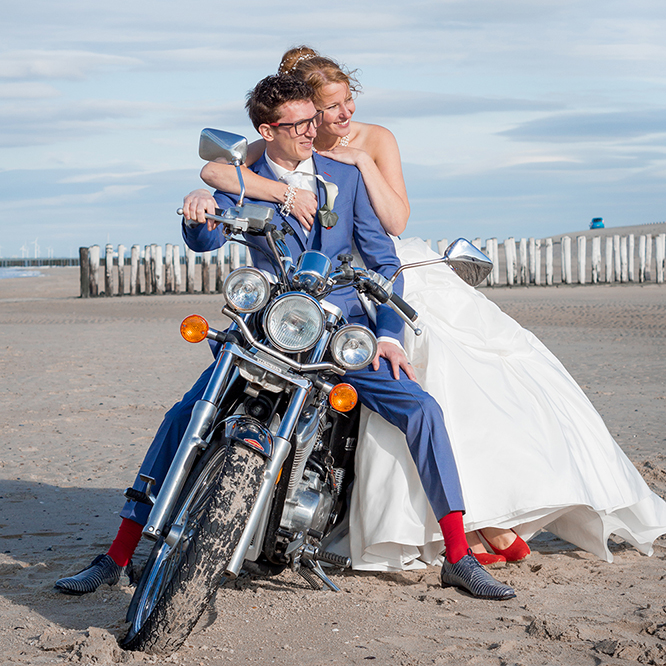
345, 154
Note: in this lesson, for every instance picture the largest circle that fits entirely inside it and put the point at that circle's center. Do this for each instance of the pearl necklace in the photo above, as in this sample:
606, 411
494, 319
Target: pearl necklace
343, 143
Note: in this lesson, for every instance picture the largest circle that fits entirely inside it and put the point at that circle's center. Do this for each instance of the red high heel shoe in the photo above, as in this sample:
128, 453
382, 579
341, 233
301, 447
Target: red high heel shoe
489, 560
516, 552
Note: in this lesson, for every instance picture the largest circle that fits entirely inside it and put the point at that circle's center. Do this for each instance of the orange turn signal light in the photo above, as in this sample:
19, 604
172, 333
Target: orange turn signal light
343, 397
194, 328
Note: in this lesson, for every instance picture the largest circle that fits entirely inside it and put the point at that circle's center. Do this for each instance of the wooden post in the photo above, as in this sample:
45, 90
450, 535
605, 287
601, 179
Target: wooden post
93, 255
121, 270
191, 258
148, 282
510, 254
582, 258
135, 276
566, 259
596, 259
641, 257
609, 259
624, 263
177, 272
442, 245
168, 267
108, 270
428, 242
523, 262
153, 267
632, 253
234, 256
248, 257
549, 261
205, 272
84, 272
477, 243
537, 262
496, 263
648, 257
617, 270
490, 251
532, 259
159, 269
219, 270
660, 256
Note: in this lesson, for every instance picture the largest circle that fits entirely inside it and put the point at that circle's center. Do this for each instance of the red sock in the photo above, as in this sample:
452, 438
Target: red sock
454, 536
125, 543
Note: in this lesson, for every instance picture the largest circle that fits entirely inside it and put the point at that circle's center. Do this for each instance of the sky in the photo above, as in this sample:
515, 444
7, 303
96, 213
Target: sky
514, 117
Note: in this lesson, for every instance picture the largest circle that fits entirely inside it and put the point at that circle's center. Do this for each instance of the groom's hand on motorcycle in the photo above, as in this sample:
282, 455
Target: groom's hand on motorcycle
396, 357
195, 206
304, 208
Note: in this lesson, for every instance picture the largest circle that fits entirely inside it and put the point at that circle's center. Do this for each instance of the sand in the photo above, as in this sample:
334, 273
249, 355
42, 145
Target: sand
85, 385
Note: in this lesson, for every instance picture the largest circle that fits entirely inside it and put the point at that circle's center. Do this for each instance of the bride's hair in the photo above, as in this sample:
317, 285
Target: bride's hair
317, 70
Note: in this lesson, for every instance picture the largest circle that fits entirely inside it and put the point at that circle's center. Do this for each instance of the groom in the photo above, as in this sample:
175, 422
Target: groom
282, 111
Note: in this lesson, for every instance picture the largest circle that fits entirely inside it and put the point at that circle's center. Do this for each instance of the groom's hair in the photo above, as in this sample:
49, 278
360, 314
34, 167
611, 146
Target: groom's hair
265, 99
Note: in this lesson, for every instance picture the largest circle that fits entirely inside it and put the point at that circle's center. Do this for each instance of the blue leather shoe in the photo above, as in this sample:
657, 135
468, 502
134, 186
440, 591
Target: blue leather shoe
102, 570
469, 575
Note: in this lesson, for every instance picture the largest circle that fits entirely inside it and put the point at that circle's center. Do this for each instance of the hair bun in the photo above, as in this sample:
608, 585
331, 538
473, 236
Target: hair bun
293, 57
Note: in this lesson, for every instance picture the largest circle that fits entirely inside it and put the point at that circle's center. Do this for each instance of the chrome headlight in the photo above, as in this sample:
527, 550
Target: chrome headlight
353, 346
246, 290
312, 272
294, 322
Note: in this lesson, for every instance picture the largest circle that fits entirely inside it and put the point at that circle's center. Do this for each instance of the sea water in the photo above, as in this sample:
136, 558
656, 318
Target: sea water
18, 272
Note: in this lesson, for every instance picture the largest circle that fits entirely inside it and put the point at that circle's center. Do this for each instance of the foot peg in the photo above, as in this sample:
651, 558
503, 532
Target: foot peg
143, 497
137, 496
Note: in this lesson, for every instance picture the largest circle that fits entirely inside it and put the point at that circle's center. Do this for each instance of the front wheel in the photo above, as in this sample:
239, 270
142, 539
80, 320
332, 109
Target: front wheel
180, 579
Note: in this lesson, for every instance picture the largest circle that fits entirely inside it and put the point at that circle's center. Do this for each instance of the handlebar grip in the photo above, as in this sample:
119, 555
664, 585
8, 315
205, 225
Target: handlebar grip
404, 307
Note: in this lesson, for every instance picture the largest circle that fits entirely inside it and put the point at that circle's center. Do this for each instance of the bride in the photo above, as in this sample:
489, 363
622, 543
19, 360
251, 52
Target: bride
532, 452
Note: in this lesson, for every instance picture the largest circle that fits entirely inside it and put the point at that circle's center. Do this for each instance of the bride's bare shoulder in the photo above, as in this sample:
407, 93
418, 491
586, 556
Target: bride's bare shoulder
373, 139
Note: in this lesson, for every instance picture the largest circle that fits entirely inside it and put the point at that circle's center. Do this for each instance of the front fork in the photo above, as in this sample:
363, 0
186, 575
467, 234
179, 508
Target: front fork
203, 416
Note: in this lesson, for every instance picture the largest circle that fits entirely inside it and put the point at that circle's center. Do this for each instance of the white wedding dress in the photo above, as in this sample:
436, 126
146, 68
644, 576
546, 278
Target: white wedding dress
532, 451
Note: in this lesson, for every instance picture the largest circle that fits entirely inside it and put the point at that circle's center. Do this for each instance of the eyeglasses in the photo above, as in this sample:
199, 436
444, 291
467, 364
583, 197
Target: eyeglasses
302, 126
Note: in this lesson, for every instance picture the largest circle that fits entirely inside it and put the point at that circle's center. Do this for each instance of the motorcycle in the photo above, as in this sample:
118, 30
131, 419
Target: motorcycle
261, 475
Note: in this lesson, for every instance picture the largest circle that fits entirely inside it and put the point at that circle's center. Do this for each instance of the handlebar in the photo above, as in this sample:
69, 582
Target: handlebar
405, 307
251, 217
393, 300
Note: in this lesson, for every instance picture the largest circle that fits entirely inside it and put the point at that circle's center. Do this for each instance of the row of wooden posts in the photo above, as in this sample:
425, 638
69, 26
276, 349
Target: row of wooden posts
519, 263
618, 263
157, 272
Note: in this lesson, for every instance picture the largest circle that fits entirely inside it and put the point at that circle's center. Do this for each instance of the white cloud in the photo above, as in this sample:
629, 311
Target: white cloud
107, 195
56, 64
27, 90
576, 127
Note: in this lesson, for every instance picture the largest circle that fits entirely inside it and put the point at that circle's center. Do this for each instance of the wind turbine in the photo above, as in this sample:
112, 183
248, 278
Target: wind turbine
24, 250
37, 255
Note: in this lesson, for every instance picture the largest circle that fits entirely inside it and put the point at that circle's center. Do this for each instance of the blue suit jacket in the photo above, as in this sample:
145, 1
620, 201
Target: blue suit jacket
356, 221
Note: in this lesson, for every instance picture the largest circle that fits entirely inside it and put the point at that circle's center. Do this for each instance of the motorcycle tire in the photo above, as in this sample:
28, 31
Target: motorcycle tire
179, 580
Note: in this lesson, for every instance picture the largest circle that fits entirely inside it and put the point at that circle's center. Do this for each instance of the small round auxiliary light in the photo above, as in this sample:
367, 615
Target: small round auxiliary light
343, 397
194, 328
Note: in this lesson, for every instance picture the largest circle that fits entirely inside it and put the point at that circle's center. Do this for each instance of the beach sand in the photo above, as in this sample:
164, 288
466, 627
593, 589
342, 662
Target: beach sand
85, 385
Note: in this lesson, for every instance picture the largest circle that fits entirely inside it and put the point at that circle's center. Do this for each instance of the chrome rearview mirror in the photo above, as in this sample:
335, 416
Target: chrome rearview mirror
215, 145
468, 262
219, 145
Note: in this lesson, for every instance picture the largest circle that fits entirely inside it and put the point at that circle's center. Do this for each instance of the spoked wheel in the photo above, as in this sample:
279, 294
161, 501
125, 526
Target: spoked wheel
185, 568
